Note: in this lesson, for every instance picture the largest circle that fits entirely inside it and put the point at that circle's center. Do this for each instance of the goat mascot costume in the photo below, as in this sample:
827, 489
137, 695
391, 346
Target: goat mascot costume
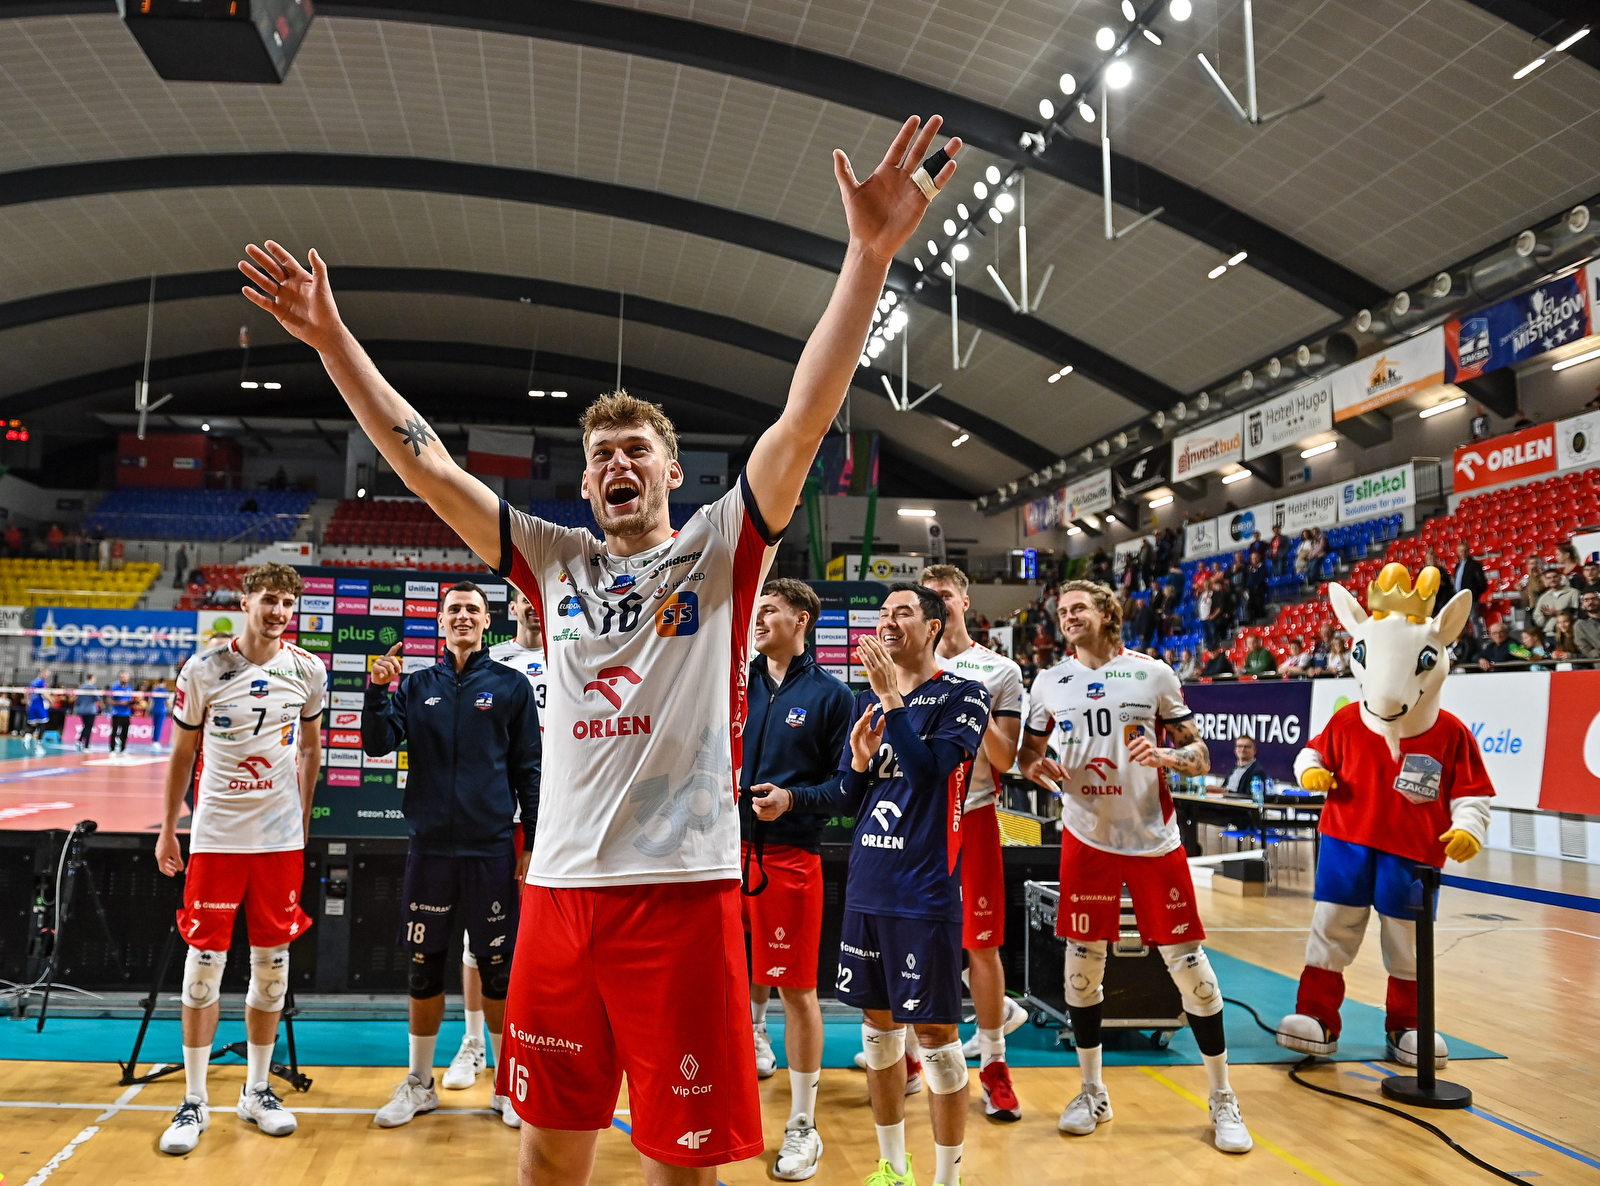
1405, 784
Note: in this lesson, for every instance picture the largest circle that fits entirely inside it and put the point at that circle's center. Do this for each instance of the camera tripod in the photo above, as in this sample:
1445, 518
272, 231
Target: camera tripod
76, 867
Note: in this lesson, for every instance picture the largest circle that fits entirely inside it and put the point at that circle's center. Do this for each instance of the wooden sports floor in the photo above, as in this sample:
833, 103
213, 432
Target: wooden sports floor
1527, 985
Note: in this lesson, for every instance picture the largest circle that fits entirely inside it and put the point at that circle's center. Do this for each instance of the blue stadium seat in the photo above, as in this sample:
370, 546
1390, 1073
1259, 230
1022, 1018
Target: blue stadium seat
190, 514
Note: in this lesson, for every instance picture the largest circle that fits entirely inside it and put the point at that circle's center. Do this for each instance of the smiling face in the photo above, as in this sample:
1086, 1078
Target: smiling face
627, 473
269, 611
780, 628
903, 630
463, 618
526, 616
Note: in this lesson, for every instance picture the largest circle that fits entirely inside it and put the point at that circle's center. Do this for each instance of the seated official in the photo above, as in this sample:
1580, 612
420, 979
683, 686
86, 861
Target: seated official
1247, 774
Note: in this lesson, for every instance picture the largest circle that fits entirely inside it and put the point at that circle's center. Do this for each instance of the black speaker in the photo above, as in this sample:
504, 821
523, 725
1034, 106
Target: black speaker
219, 40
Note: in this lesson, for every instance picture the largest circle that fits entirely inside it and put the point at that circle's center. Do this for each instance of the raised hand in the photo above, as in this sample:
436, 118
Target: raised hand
865, 739
885, 209
302, 301
387, 669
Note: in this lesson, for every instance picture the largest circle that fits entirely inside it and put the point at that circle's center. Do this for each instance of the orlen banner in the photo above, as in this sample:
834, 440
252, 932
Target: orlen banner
1510, 458
1205, 449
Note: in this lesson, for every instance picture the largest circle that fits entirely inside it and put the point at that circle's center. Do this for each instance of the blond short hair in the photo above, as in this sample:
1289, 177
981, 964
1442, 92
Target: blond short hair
272, 575
944, 572
618, 409
1105, 603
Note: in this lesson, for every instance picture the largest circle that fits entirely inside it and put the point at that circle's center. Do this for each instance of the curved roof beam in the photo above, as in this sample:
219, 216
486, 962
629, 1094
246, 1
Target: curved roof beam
351, 171
488, 286
865, 88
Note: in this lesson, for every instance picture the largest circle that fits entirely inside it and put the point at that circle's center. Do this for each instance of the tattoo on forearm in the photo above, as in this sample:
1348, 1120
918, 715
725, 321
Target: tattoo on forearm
1189, 754
417, 434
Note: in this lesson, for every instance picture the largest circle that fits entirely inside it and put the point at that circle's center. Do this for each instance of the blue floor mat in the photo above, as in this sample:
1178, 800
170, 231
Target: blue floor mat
383, 1043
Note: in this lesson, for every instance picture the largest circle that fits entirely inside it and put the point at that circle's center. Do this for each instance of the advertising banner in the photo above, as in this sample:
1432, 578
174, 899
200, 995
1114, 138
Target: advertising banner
1275, 713
1288, 419
113, 636
1201, 539
1086, 496
1393, 374
1315, 508
1518, 327
1144, 472
1578, 441
1376, 494
879, 568
1205, 449
1037, 516
1510, 458
1571, 779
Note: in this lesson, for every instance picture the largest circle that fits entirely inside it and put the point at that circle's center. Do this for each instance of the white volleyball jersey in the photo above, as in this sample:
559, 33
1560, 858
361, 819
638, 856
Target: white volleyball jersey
248, 795
1110, 801
529, 661
1003, 678
646, 669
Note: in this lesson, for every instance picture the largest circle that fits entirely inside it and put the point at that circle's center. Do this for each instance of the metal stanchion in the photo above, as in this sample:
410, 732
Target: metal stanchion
1425, 1089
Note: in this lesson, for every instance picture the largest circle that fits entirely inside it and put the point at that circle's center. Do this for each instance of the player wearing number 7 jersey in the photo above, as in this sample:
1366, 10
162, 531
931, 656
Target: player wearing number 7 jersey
634, 886
1106, 705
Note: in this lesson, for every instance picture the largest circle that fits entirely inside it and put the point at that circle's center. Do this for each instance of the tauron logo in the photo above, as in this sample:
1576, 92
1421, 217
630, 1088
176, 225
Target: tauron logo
606, 682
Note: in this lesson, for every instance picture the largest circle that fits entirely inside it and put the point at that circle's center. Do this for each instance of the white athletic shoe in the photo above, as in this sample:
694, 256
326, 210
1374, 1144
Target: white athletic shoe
409, 1100
508, 1114
1089, 1108
913, 1071
183, 1134
1305, 1034
802, 1149
766, 1061
1402, 1048
470, 1062
1232, 1135
1015, 1015
261, 1106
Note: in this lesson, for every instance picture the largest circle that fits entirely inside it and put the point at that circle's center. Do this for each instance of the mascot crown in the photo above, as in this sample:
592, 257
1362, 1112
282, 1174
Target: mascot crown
1392, 593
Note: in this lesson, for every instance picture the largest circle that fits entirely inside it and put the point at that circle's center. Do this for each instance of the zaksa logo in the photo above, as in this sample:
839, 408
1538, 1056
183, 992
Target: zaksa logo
1101, 767
605, 683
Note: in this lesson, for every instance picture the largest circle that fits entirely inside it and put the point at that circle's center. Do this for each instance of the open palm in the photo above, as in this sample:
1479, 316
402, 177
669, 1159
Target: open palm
302, 301
885, 209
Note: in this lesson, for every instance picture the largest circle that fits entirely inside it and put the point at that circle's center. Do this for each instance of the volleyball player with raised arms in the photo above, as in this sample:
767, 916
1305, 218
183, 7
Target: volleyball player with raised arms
250, 707
633, 894
905, 780
1106, 705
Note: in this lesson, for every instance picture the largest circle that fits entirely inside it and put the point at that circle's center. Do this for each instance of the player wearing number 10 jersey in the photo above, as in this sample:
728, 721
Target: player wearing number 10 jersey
1105, 706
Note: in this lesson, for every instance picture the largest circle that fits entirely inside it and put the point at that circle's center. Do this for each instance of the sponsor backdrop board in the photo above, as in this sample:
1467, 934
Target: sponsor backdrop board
1209, 448
1086, 496
1517, 328
130, 637
1514, 457
1376, 494
1289, 419
1148, 470
1276, 713
1396, 372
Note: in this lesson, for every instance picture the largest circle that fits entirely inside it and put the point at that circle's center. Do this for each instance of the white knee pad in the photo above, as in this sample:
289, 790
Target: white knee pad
945, 1069
1197, 983
202, 977
269, 978
883, 1048
1085, 973
468, 960
1336, 934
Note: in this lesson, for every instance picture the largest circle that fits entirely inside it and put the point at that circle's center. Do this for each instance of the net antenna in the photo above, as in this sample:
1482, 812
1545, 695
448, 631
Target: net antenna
1249, 112
141, 387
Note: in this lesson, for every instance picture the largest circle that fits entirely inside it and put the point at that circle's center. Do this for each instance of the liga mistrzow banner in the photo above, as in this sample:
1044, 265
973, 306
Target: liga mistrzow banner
493, 453
1205, 449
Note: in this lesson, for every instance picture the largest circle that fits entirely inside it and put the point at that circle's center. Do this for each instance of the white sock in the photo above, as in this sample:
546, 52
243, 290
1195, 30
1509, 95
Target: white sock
494, 1046
195, 1061
422, 1057
991, 1046
758, 1012
474, 1023
892, 1145
1089, 1065
1217, 1071
803, 1095
258, 1064
947, 1165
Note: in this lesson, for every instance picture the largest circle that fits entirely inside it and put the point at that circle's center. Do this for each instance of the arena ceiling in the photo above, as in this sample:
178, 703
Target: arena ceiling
491, 178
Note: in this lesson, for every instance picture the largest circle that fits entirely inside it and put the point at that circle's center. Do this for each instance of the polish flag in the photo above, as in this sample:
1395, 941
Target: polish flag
494, 453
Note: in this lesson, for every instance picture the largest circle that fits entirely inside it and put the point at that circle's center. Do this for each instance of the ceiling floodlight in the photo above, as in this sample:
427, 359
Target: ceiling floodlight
1005, 203
1074, 530
1574, 361
1319, 450
1118, 75
1105, 39
1239, 476
995, 216
1181, 10
980, 190
535, 393
1438, 409
1235, 260
1578, 36
961, 440
1164, 500
1529, 68
947, 269
1216, 271
992, 175
949, 226
933, 248
1151, 36
1086, 112
960, 252
962, 212
1068, 84
1047, 109
1129, 11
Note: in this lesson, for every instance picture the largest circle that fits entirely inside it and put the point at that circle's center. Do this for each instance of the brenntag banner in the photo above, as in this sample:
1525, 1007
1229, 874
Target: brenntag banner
1209, 448
1381, 493
1086, 496
1393, 374
1288, 419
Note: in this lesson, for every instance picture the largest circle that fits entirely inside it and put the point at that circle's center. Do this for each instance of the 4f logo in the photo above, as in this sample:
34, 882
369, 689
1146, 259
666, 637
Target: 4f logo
693, 1139
605, 683
882, 811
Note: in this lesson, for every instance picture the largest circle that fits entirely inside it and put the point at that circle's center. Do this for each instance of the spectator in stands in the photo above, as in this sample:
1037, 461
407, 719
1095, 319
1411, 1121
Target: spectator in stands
180, 566
1224, 606
1257, 659
1563, 641
8, 720
1297, 663
104, 547
1531, 583
1024, 660
1306, 553
279, 480
1238, 580
1218, 666
1277, 551
13, 540
1587, 628
1044, 648
1531, 647
1206, 613
1586, 579
118, 551
1256, 578
1498, 649
53, 539
1469, 576
1480, 426
1567, 560
1145, 618
249, 506
1522, 420
1100, 567
1335, 661
1447, 584
1186, 667
1557, 597
86, 707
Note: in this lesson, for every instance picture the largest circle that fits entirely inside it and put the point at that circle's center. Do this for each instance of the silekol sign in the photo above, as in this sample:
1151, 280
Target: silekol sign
1381, 493
1510, 458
